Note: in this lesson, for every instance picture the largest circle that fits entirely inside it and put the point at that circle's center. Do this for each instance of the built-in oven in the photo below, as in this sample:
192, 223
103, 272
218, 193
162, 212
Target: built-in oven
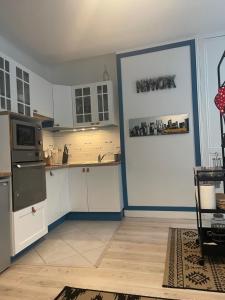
29, 184
26, 135
28, 168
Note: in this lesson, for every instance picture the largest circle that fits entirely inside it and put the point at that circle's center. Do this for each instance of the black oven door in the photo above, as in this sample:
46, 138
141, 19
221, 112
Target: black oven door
29, 184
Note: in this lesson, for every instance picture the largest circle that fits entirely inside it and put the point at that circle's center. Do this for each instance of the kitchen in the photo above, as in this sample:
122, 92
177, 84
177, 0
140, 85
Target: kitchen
85, 201
44, 182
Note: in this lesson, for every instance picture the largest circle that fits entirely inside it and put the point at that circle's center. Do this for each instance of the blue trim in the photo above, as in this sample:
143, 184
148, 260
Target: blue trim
195, 103
155, 49
163, 208
27, 249
191, 44
100, 216
122, 132
57, 223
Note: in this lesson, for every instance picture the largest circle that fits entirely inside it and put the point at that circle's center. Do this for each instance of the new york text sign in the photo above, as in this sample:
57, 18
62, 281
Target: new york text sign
154, 84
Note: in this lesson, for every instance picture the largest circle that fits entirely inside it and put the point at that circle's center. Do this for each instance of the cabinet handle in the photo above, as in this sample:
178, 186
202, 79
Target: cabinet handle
51, 173
83, 170
57, 125
97, 123
35, 111
92, 123
88, 170
33, 210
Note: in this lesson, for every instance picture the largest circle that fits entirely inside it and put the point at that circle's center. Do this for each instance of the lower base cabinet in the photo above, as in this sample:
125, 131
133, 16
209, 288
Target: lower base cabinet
57, 188
95, 189
28, 225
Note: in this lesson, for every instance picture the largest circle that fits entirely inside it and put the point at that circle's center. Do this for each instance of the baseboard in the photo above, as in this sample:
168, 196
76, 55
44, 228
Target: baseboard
27, 249
98, 216
160, 214
57, 222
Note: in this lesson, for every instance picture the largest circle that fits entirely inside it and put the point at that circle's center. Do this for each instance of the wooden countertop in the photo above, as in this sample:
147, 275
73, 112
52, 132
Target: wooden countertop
89, 164
5, 174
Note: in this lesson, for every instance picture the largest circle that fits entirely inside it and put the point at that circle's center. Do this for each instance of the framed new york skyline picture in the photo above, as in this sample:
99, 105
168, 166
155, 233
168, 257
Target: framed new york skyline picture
161, 125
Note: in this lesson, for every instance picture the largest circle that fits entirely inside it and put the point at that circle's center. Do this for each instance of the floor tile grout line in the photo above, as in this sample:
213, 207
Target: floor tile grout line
78, 252
82, 254
40, 256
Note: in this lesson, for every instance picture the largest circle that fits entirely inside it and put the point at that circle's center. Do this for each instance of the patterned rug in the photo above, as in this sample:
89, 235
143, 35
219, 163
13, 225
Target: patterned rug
182, 269
69, 293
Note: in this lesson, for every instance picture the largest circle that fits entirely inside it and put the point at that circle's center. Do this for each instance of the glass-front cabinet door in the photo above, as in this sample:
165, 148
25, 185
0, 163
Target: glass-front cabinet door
82, 106
93, 104
105, 111
5, 90
23, 91
103, 102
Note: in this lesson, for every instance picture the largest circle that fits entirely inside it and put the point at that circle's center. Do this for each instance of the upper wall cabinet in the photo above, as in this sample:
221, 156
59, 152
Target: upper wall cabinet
93, 104
62, 100
5, 90
41, 96
23, 91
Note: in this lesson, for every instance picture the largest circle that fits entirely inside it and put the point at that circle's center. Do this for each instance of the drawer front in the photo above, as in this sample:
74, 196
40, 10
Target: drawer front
29, 225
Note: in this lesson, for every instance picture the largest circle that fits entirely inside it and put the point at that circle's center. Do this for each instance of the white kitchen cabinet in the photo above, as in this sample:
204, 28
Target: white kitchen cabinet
23, 90
95, 189
5, 84
104, 189
78, 189
41, 96
28, 225
103, 93
62, 100
57, 187
93, 104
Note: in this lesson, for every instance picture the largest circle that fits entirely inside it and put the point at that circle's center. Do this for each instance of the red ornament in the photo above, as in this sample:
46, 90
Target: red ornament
220, 99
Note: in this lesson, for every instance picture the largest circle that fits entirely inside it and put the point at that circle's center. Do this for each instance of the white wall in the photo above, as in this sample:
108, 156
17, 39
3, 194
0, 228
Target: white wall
84, 70
159, 168
209, 53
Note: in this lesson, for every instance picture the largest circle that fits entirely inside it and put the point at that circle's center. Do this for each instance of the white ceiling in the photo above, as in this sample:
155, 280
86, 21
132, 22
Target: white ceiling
55, 31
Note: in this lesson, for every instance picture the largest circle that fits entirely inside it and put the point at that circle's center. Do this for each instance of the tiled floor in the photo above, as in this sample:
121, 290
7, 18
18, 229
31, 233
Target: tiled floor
74, 243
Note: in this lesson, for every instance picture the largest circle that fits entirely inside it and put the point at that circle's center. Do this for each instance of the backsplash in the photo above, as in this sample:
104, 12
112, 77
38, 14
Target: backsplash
84, 146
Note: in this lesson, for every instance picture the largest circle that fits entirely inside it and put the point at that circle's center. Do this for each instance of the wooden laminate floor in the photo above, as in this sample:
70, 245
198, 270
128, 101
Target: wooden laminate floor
133, 263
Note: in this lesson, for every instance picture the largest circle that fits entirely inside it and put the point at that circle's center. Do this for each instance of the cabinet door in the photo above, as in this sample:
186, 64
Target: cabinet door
57, 194
78, 189
103, 189
65, 206
83, 106
53, 199
41, 96
105, 108
29, 225
23, 91
62, 99
5, 85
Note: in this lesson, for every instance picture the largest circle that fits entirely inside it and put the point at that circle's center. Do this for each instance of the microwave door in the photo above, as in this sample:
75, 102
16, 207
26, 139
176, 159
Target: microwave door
26, 136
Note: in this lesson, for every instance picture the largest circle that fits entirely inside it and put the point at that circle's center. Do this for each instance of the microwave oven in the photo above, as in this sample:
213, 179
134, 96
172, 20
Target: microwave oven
26, 135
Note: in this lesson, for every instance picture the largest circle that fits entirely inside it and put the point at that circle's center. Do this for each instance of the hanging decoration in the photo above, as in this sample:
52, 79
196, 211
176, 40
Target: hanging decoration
220, 99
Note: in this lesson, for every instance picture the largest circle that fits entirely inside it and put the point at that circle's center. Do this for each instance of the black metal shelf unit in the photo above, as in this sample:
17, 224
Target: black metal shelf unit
208, 246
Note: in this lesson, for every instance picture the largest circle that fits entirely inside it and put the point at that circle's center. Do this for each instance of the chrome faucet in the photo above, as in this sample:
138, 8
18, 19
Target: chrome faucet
100, 157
